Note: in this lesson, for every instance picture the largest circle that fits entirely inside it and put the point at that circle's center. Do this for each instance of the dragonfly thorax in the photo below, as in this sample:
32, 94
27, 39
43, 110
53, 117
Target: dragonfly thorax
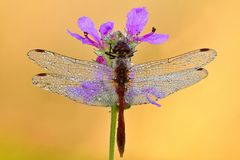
121, 71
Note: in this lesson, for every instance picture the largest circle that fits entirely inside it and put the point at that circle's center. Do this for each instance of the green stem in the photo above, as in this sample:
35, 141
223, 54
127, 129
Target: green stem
112, 131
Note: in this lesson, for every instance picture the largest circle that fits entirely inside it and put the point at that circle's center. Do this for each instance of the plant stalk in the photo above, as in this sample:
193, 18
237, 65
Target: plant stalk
114, 111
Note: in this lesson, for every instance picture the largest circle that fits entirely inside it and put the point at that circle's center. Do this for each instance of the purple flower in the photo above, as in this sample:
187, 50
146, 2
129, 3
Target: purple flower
105, 28
136, 21
105, 39
100, 59
88, 28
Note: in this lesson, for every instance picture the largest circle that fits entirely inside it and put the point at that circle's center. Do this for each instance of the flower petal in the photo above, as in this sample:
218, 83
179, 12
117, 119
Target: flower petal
84, 40
106, 28
75, 35
154, 38
87, 25
101, 60
136, 20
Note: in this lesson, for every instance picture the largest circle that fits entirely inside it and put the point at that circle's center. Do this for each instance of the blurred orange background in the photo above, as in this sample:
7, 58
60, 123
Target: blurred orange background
197, 123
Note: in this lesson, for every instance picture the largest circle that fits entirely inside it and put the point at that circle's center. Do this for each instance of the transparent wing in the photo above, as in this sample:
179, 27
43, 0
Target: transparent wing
194, 59
97, 93
151, 89
86, 82
63, 65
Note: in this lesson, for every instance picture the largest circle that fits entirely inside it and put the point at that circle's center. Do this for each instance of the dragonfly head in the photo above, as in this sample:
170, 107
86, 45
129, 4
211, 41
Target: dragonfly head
121, 50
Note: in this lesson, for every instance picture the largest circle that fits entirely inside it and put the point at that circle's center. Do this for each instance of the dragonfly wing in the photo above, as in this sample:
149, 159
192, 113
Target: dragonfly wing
97, 93
63, 65
151, 89
194, 59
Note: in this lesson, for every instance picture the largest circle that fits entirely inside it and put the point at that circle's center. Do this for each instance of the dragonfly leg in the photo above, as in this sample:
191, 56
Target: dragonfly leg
111, 56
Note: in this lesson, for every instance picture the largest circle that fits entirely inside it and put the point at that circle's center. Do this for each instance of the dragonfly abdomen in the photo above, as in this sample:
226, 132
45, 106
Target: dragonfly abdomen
121, 124
121, 73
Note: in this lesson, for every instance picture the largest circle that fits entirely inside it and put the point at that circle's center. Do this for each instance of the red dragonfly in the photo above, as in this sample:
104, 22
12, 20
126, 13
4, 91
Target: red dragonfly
95, 84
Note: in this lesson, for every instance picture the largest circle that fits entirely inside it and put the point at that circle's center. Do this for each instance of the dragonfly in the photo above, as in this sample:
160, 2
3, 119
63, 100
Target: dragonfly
123, 84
